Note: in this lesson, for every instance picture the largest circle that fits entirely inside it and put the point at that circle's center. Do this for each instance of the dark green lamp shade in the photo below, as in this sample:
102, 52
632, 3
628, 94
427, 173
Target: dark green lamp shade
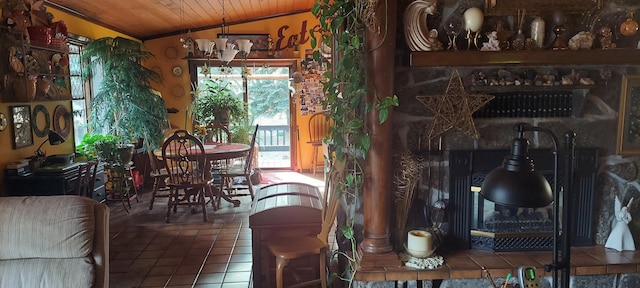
516, 183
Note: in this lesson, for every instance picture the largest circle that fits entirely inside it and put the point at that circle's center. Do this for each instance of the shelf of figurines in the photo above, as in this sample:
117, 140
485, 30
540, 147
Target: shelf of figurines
616, 56
27, 87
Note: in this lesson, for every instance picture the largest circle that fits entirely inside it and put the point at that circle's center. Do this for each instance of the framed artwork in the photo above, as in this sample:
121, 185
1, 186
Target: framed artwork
629, 116
260, 41
21, 125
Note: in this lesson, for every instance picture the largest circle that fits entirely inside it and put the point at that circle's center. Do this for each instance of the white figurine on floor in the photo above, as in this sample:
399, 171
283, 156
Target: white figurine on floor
620, 237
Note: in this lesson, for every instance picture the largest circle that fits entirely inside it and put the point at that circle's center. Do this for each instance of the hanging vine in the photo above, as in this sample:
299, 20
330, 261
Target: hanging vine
343, 24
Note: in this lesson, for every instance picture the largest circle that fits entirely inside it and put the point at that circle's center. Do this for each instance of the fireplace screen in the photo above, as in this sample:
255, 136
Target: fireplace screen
498, 227
481, 224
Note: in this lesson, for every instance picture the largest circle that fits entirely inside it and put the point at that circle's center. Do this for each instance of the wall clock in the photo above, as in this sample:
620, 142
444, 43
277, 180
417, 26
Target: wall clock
177, 70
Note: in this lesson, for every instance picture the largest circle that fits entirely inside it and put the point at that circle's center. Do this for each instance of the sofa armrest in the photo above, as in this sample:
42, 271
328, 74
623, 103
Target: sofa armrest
101, 246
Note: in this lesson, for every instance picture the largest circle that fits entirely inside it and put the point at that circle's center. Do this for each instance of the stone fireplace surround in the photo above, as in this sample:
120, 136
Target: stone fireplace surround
596, 126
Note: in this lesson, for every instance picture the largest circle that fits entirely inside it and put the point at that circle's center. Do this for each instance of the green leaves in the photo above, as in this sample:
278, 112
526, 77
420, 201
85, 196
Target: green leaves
383, 107
125, 104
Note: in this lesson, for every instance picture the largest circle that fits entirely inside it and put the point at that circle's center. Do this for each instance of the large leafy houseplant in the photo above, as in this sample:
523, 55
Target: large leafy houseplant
214, 101
342, 28
125, 104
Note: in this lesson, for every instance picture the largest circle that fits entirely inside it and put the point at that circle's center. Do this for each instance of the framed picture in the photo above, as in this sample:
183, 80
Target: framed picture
21, 125
629, 116
260, 41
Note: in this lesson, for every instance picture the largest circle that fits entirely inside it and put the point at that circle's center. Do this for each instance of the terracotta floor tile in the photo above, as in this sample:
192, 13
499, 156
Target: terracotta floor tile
155, 281
169, 261
214, 268
240, 267
210, 278
182, 279
147, 252
241, 258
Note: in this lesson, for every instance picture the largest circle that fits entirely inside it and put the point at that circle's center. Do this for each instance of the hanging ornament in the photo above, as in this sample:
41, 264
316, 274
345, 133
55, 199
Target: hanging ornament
629, 27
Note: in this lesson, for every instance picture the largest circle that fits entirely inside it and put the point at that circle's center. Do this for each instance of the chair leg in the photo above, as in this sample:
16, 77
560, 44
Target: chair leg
323, 268
280, 264
314, 160
250, 185
170, 204
154, 190
203, 203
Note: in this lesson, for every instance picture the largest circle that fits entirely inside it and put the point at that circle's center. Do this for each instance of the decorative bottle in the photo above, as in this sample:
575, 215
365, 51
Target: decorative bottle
537, 31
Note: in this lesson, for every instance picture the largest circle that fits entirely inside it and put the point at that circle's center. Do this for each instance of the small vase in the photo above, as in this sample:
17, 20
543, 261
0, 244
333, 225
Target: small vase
537, 31
518, 41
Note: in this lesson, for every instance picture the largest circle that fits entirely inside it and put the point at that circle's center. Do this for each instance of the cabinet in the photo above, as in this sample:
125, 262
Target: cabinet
53, 180
33, 71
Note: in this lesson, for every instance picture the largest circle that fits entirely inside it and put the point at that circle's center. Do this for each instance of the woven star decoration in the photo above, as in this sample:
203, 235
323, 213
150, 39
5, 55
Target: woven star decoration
455, 108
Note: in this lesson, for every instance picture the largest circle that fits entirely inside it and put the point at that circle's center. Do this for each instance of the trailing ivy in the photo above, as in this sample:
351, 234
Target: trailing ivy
345, 89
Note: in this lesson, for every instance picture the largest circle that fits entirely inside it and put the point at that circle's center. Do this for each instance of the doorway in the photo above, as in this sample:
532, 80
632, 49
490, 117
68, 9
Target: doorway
266, 90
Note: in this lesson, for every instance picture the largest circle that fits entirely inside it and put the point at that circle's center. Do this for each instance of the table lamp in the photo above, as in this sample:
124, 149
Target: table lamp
517, 183
53, 138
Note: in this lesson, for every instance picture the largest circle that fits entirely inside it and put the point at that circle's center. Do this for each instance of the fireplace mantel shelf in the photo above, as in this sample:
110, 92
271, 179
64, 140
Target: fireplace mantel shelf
622, 56
466, 264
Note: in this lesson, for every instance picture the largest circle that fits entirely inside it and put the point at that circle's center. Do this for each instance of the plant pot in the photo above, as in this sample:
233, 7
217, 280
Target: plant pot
223, 115
125, 153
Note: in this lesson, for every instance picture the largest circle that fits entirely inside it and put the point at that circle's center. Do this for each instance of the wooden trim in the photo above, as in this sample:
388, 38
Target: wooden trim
530, 57
593, 260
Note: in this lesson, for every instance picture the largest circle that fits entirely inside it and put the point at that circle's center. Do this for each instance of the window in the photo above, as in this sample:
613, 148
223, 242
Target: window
80, 90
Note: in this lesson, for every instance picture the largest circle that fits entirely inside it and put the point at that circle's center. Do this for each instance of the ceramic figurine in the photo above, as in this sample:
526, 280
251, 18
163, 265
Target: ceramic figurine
493, 44
606, 38
620, 238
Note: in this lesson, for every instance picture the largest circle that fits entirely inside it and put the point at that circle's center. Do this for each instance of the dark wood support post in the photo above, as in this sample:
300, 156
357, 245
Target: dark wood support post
380, 53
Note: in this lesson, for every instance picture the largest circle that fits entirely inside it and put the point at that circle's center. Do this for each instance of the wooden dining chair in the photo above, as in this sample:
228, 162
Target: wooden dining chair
218, 132
319, 126
289, 248
159, 174
187, 166
86, 180
243, 167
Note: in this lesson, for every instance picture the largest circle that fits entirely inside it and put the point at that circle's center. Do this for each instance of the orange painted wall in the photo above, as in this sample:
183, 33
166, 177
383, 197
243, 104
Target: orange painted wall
158, 47
76, 26
172, 85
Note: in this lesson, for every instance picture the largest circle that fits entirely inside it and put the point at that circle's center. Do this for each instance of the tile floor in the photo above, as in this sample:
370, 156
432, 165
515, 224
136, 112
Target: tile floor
147, 252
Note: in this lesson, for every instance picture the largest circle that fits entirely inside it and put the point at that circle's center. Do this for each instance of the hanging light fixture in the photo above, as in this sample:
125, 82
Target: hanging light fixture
226, 51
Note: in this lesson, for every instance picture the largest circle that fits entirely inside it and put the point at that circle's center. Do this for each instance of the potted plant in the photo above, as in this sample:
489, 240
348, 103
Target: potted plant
125, 104
214, 101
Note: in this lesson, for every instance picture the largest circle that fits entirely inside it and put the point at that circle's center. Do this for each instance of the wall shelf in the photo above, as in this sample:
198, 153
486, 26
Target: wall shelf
622, 56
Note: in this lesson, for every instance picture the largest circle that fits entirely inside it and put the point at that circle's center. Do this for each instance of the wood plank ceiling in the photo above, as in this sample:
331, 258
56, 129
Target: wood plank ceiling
149, 19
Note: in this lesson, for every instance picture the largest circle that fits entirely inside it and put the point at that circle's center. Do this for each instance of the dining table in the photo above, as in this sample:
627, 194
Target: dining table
220, 152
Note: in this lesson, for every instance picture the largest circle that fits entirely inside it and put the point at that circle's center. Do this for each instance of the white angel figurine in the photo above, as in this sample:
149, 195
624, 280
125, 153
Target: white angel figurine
620, 237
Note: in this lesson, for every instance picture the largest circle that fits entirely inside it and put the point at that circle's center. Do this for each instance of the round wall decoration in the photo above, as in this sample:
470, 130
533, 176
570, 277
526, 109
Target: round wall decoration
61, 114
3, 122
171, 52
177, 91
45, 130
177, 70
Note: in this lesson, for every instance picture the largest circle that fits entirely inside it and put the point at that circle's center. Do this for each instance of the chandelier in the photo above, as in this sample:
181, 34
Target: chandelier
222, 48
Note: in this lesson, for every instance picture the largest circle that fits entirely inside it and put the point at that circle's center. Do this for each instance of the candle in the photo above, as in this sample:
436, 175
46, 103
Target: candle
419, 242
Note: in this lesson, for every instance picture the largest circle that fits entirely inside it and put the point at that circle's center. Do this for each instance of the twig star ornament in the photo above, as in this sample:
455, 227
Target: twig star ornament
455, 108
